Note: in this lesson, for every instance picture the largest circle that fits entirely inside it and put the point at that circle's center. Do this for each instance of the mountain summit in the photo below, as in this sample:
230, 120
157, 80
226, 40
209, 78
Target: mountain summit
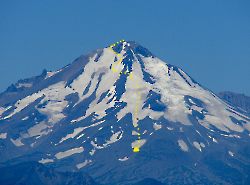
121, 114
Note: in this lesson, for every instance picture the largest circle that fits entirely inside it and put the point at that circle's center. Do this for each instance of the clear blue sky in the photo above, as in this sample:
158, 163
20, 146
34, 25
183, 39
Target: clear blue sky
208, 39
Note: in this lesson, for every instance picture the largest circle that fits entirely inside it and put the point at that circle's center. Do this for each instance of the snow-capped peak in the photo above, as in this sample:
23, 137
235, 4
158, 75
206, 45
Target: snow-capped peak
121, 96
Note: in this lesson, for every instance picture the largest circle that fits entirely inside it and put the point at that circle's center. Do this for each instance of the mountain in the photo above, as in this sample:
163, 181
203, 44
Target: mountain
240, 101
30, 173
123, 116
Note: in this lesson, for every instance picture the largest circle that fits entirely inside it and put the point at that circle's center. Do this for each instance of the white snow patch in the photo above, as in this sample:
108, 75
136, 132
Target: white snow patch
25, 118
38, 130
170, 128
67, 153
202, 145
44, 161
231, 153
236, 136
21, 104
138, 143
214, 140
183, 145
198, 109
24, 85
114, 138
198, 132
72, 135
52, 73
197, 145
3, 135
157, 126
123, 159
80, 136
17, 142
83, 164
134, 133
55, 98
92, 152
79, 130
96, 145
